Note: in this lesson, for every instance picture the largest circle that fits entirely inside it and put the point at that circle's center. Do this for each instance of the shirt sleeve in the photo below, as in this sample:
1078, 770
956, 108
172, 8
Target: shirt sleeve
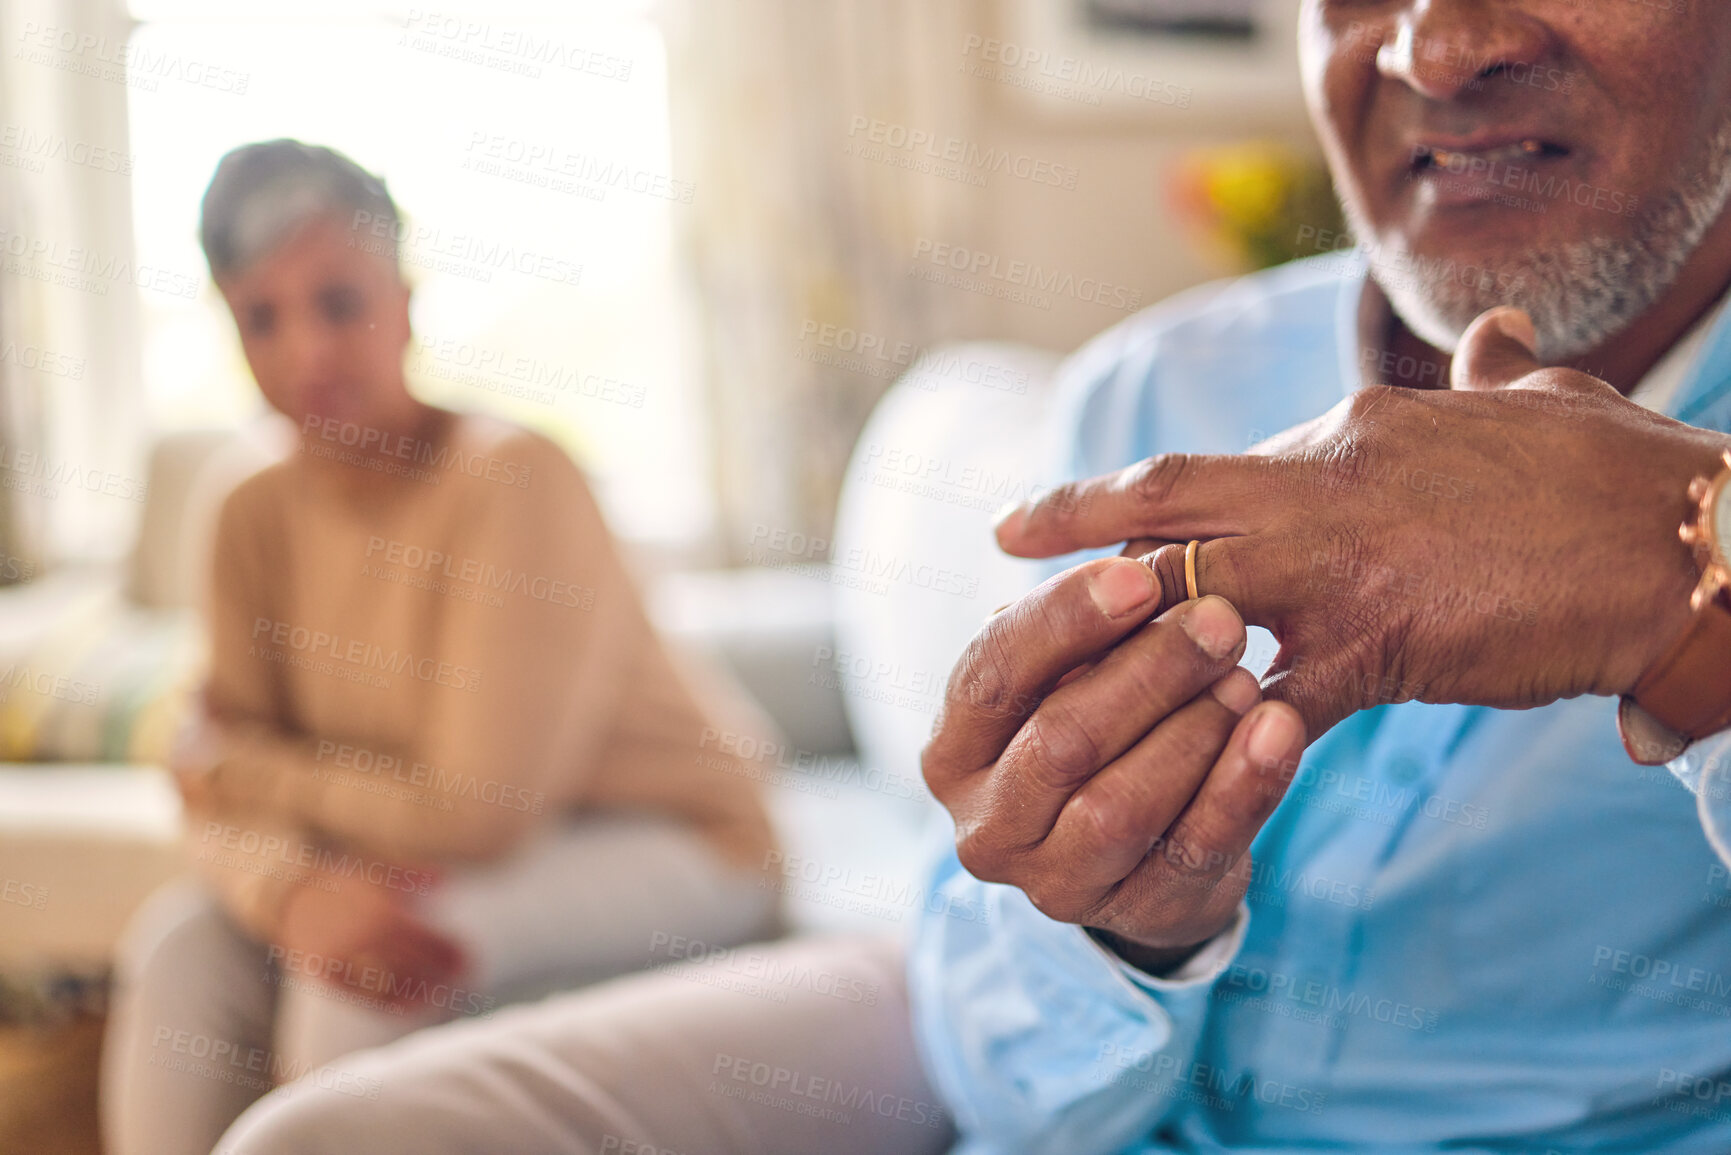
536, 683
1039, 1038
1712, 753
1705, 768
1206, 965
237, 686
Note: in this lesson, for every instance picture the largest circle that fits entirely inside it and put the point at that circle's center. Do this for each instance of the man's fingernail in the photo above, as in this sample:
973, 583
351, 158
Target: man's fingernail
1517, 324
1214, 626
1271, 735
1237, 691
1010, 518
1121, 587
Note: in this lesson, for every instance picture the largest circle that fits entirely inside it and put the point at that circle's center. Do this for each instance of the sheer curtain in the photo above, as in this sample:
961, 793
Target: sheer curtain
71, 446
792, 232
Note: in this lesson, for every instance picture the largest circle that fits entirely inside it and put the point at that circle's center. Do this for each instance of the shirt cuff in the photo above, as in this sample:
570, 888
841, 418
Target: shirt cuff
1202, 968
1711, 753
1705, 768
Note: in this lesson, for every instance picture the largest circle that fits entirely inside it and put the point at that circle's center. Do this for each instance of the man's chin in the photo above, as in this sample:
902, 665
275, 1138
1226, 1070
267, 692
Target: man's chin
1583, 275
1568, 284
1437, 296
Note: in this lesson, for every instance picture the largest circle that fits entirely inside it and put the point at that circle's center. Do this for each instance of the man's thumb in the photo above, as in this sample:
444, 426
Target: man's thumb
1498, 348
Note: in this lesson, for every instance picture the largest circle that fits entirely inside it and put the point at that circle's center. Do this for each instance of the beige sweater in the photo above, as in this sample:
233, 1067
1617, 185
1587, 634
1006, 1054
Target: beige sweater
424, 671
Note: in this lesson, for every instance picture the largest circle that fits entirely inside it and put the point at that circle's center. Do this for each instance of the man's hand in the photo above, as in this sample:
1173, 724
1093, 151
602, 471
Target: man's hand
1114, 769
366, 939
1509, 542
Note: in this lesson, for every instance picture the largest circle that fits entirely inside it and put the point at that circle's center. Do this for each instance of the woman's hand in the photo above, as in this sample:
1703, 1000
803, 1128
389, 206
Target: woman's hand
365, 938
193, 759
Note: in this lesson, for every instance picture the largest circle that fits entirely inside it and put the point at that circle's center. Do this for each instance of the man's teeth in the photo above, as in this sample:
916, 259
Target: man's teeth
1458, 159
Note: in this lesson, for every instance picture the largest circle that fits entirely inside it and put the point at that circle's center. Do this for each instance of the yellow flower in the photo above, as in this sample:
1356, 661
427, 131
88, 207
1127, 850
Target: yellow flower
1253, 201
1248, 185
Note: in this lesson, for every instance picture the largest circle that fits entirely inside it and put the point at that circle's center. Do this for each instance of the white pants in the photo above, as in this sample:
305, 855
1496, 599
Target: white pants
795, 1048
203, 1022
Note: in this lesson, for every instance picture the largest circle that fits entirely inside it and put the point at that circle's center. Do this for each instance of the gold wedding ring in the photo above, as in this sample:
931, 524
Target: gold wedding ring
1190, 570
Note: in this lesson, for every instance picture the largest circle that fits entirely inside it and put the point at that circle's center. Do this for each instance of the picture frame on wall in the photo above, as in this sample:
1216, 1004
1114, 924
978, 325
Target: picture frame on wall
1177, 65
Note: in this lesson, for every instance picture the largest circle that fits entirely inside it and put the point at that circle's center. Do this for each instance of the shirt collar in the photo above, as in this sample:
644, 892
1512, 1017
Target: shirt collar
1704, 397
1664, 382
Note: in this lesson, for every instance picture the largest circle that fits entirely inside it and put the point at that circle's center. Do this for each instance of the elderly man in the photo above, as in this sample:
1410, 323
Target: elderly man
1465, 919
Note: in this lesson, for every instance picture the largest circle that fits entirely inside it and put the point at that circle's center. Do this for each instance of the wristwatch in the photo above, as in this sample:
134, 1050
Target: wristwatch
1686, 694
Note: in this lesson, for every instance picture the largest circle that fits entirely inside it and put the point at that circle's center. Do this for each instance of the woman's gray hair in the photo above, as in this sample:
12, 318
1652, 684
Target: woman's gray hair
261, 192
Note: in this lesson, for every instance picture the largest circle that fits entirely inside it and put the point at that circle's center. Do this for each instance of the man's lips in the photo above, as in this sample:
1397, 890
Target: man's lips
1469, 172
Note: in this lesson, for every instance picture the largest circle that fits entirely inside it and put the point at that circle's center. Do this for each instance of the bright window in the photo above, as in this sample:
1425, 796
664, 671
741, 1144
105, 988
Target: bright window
531, 162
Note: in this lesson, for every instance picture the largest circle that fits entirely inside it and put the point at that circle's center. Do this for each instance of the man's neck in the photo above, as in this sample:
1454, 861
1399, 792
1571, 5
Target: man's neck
1623, 360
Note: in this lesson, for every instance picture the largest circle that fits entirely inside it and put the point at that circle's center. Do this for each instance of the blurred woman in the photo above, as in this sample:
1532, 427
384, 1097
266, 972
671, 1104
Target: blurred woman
443, 761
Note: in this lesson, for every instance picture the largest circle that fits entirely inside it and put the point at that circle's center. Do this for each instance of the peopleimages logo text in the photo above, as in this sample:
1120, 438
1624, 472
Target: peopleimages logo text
307, 641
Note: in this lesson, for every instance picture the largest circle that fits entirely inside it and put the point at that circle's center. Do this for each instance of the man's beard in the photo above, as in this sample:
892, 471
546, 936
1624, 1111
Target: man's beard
1580, 293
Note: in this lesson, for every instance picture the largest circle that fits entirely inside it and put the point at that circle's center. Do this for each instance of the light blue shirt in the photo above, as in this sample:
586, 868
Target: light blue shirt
1470, 929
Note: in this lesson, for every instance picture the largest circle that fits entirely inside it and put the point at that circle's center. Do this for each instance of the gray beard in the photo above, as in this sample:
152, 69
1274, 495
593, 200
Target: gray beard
1579, 294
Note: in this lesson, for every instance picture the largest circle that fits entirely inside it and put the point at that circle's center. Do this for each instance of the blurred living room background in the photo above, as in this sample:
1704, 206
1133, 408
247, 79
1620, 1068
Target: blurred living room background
788, 278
